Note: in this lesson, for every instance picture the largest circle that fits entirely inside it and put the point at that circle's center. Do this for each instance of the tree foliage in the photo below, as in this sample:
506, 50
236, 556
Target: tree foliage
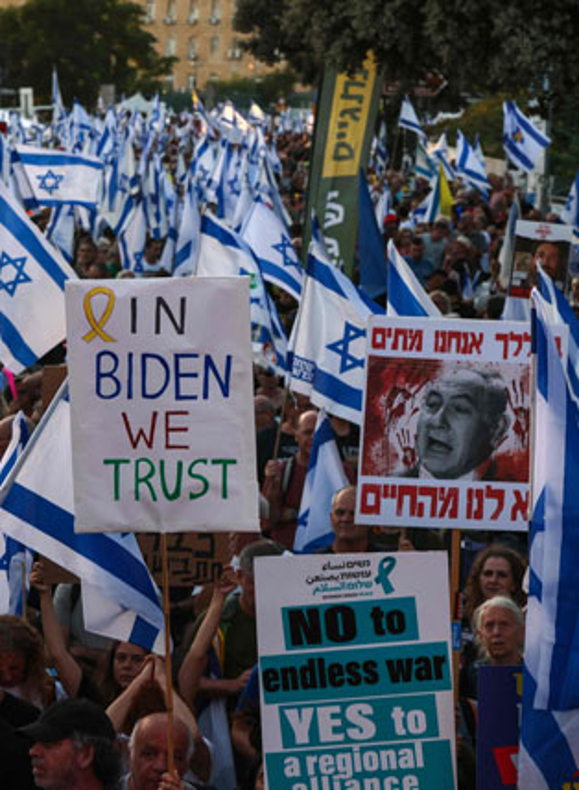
91, 42
478, 47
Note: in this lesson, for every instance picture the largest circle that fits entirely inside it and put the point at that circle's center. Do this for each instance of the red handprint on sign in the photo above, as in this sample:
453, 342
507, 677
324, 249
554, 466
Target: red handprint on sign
521, 412
407, 448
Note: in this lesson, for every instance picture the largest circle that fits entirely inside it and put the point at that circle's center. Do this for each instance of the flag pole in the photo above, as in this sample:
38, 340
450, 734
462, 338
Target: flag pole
455, 608
24, 591
281, 419
168, 669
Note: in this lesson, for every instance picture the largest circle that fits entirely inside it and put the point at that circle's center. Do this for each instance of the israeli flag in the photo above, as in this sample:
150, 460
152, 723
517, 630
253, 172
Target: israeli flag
132, 240
380, 150
441, 153
223, 253
470, 167
409, 120
406, 295
549, 747
423, 165
325, 476
57, 177
522, 141
428, 210
37, 509
328, 341
187, 245
58, 111
32, 278
60, 231
265, 234
15, 559
383, 206
570, 213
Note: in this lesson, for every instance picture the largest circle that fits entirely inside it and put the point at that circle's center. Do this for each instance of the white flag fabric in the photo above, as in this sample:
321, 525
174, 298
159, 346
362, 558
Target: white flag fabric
15, 559
409, 120
549, 753
37, 509
132, 240
58, 177
328, 341
570, 213
470, 167
406, 295
32, 278
265, 234
522, 141
325, 476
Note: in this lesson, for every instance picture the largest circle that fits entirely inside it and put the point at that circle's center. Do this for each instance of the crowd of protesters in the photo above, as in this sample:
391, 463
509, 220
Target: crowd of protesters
80, 711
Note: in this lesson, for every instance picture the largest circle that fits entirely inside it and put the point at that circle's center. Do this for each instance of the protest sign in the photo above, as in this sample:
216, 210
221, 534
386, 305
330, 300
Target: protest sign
355, 671
539, 242
194, 558
500, 690
446, 424
162, 418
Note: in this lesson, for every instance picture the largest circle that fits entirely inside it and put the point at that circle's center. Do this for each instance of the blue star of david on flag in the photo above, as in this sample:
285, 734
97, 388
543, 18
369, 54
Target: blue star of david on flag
234, 186
50, 181
20, 275
341, 347
138, 257
282, 247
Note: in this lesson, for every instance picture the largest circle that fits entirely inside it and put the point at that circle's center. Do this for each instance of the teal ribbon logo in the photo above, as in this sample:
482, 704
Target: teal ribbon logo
385, 569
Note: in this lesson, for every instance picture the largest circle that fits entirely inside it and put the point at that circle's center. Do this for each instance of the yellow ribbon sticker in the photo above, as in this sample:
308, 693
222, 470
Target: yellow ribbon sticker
97, 326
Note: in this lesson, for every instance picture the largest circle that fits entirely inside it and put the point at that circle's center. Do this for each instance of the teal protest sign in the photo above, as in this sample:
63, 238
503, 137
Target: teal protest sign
355, 671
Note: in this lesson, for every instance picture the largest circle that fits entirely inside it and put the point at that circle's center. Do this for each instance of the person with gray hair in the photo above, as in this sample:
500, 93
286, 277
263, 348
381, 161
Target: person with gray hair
74, 747
499, 626
149, 754
462, 421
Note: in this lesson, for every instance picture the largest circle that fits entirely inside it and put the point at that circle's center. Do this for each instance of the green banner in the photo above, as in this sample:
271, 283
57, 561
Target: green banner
347, 107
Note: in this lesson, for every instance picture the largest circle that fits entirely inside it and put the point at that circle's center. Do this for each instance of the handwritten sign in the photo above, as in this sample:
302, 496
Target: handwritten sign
355, 670
161, 405
193, 558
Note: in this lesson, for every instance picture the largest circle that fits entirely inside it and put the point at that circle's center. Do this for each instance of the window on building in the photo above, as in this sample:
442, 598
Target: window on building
150, 15
171, 47
192, 49
193, 15
215, 12
171, 15
191, 82
214, 46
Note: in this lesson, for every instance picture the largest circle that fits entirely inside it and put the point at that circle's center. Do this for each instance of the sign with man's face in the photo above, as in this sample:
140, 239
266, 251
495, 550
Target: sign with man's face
446, 424
547, 244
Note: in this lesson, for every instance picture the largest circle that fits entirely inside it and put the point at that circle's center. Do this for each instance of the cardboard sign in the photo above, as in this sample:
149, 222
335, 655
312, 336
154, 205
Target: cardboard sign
193, 558
163, 436
355, 671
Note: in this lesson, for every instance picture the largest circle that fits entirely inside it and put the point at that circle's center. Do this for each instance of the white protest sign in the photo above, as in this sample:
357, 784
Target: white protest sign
355, 671
162, 417
446, 425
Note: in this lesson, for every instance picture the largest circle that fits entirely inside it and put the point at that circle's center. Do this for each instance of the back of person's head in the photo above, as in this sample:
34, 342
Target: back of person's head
258, 549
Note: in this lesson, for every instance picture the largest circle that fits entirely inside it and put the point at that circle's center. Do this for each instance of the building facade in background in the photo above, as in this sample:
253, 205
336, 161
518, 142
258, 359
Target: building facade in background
200, 34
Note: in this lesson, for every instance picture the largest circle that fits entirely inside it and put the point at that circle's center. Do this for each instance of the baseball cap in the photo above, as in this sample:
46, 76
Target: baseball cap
61, 719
